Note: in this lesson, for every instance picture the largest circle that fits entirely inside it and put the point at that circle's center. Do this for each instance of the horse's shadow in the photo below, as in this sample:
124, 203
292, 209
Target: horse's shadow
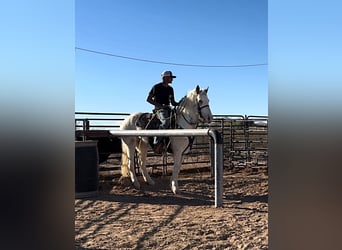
158, 194
195, 192
168, 199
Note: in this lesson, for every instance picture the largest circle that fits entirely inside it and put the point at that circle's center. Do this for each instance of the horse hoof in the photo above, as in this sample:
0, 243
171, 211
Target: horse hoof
125, 181
136, 185
174, 187
175, 190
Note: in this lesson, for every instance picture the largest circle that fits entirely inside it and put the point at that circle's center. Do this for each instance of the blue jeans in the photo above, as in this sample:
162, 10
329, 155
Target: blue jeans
164, 117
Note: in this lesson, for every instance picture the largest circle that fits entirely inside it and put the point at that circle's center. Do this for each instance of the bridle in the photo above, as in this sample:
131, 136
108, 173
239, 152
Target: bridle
199, 109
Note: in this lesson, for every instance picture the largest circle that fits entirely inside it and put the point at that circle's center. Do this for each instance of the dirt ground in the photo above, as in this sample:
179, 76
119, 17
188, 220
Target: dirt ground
121, 217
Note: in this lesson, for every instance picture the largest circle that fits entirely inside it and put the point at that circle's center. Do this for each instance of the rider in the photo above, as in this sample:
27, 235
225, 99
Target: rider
160, 96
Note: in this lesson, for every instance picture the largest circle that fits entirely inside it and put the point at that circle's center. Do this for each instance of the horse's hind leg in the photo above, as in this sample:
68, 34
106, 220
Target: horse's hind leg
128, 149
142, 152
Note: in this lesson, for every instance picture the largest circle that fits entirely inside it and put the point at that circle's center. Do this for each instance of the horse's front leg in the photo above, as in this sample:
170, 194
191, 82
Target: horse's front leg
130, 157
142, 152
178, 158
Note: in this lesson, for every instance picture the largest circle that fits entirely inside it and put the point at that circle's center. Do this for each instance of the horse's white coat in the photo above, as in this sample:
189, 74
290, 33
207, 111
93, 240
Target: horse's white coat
193, 109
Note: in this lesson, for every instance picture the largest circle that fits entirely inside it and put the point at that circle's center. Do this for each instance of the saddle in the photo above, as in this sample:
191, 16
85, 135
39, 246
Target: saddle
151, 121
148, 121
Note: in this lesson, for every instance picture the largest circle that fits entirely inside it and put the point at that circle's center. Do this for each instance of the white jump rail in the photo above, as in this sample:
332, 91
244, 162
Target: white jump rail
213, 134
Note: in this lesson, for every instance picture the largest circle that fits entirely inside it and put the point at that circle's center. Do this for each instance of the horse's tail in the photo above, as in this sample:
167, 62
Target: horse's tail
124, 160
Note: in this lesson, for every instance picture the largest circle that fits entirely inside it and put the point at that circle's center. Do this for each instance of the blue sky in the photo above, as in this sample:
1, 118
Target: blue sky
209, 33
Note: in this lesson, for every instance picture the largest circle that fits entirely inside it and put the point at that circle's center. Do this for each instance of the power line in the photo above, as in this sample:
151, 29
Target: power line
170, 63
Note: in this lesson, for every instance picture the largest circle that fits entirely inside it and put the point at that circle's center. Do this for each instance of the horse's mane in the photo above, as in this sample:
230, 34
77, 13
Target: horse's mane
191, 95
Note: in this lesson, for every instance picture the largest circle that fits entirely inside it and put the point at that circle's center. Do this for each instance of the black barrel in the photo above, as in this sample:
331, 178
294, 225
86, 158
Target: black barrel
86, 169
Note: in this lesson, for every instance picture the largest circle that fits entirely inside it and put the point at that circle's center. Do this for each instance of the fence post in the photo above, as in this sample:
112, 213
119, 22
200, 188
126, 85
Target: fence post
218, 149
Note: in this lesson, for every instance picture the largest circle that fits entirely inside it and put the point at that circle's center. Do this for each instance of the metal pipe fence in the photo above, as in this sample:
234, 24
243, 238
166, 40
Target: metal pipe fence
245, 140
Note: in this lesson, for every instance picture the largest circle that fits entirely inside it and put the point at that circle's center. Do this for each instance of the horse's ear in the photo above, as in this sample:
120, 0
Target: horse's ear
206, 90
197, 89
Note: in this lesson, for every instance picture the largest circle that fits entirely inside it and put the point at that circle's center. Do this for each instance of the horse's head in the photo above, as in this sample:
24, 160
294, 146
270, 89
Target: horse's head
203, 104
